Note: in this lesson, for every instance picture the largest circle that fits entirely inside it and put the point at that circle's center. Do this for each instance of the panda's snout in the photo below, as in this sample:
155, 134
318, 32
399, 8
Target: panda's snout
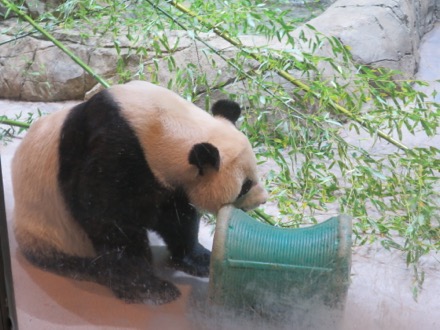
255, 197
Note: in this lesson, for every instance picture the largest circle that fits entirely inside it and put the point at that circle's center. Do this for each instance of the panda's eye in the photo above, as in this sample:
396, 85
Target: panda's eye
247, 185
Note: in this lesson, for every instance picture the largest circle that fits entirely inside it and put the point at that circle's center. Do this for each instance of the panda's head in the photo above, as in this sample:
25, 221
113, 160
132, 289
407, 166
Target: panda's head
225, 166
188, 149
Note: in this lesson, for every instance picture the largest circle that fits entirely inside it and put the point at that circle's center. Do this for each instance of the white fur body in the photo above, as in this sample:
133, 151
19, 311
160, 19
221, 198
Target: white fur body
40, 216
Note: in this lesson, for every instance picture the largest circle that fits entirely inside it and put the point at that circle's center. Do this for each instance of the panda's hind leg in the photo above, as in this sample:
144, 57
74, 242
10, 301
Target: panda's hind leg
178, 225
124, 264
46, 256
129, 275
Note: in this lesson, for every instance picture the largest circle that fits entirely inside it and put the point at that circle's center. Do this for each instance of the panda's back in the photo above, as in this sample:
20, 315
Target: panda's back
144, 103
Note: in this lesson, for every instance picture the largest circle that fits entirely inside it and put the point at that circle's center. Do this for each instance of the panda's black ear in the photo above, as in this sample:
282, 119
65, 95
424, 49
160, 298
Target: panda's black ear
227, 109
204, 156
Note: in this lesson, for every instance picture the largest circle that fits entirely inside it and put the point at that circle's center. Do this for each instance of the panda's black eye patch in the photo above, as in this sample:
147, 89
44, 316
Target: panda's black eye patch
247, 185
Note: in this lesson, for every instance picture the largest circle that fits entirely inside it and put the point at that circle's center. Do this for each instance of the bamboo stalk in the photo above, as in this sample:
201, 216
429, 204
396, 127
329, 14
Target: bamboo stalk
284, 74
265, 217
11, 122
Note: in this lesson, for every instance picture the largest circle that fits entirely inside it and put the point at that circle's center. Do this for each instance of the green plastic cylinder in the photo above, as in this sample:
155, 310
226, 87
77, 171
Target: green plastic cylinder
270, 269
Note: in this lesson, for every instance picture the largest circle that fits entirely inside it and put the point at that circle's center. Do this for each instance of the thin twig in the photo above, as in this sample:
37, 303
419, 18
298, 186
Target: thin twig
21, 36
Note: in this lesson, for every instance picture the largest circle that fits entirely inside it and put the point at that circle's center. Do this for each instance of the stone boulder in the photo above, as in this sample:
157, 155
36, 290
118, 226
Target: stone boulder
35, 7
33, 69
39, 7
381, 33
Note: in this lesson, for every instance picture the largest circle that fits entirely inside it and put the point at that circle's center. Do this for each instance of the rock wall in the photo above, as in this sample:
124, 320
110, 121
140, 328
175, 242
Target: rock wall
383, 33
437, 9
379, 32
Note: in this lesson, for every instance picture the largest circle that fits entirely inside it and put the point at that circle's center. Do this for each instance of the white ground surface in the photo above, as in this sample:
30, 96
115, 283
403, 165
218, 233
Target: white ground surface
379, 297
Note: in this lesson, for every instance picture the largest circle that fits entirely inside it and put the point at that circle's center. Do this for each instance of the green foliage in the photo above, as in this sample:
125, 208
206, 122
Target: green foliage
391, 191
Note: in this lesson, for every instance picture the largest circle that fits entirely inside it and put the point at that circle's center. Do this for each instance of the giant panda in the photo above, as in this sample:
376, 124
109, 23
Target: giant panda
91, 180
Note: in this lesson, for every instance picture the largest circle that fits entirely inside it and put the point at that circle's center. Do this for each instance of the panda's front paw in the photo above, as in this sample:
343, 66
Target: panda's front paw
195, 263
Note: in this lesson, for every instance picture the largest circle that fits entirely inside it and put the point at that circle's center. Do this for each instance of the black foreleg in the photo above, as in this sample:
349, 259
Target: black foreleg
178, 225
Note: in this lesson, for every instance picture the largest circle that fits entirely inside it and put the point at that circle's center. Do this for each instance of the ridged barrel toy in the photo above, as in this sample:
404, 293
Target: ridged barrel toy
267, 269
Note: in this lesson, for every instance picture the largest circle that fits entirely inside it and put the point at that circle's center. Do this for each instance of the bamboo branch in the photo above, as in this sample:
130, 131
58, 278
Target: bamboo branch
284, 74
244, 74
